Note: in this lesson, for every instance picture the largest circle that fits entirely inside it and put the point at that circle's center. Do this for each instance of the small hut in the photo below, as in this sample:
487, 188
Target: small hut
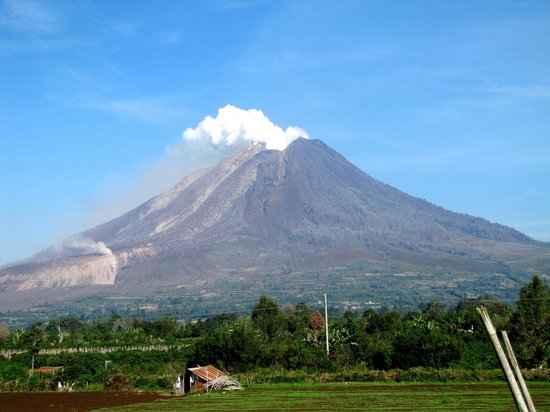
195, 379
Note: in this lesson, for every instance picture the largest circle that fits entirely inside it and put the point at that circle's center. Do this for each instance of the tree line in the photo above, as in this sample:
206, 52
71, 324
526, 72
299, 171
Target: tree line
433, 336
293, 337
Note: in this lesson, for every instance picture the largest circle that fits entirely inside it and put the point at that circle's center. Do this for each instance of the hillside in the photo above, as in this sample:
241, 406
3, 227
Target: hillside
304, 214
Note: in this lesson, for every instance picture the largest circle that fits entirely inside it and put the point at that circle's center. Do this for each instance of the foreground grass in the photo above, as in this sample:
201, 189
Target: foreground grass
353, 396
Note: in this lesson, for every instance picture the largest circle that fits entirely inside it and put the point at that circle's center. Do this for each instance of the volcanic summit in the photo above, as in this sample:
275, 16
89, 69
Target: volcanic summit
259, 212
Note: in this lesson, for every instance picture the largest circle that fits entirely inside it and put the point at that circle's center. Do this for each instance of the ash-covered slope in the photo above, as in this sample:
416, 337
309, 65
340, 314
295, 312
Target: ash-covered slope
265, 212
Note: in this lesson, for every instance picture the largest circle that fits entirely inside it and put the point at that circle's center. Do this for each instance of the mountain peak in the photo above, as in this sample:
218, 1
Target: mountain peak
261, 210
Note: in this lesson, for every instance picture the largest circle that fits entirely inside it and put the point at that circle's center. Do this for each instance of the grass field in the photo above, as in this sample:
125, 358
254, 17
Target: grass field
354, 397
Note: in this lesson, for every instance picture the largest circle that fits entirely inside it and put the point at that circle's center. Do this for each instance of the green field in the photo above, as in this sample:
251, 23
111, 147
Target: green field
354, 396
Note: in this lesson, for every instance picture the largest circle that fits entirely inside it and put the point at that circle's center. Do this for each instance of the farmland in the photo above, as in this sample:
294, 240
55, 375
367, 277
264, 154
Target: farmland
291, 397
353, 396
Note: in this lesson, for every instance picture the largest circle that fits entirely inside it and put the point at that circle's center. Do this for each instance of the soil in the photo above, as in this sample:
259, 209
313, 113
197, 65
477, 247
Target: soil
71, 401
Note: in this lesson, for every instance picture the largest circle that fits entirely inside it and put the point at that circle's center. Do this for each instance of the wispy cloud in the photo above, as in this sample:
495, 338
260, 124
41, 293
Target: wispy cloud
169, 37
33, 26
288, 60
236, 4
27, 16
8, 47
513, 90
465, 102
426, 158
125, 29
536, 90
459, 157
155, 110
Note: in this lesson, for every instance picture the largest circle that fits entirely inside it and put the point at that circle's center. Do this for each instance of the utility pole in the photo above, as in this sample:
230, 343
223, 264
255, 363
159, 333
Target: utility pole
326, 322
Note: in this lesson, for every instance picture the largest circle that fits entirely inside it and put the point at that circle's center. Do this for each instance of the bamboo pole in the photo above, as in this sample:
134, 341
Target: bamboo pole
512, 384
517, 370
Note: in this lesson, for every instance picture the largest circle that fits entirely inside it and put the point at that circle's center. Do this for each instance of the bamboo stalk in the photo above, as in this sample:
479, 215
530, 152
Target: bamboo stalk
512, 384
517, 370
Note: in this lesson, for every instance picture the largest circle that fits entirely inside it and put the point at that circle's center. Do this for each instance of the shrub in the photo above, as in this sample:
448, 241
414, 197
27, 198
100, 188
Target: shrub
117, 382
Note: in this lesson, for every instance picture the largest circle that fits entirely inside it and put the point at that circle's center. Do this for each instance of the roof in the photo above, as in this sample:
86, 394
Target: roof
48, 369
207, 373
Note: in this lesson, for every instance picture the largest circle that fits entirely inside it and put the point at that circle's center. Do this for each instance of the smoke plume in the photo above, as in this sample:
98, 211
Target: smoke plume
212, 140
233, 126
72, 246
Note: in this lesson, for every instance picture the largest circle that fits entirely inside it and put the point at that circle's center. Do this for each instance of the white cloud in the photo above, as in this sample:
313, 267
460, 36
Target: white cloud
204, 146
233, 126
211, 141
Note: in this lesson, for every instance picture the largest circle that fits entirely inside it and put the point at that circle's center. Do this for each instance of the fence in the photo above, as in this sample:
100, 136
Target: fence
8, 353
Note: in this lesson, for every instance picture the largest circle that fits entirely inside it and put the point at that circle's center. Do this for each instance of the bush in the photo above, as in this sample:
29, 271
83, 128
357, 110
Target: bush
117, 382
161, 382
10, 371
89, 378
38, 383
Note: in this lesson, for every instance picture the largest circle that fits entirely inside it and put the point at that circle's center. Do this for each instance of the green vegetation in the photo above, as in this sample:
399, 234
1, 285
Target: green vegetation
354, 287
273, 345
352, 396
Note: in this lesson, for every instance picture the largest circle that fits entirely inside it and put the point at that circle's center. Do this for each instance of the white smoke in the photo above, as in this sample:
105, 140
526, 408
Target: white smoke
233, 126
76, 245
213, 139
203, 146
83, 246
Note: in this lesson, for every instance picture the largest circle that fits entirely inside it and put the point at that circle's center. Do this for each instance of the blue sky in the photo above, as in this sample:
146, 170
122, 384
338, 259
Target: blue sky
445, 100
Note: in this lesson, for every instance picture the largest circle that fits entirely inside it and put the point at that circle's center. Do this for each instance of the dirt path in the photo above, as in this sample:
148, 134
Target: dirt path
70, 401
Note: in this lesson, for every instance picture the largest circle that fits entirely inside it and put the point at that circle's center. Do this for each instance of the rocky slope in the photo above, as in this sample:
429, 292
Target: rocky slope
270, 212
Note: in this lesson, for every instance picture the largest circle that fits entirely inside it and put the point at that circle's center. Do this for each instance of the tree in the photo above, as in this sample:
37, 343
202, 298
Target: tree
316, 321
434, 311
376, 342
218, 320
63, 327
267, 317
235, 347
424, 347
531, 322
298, 319
468, 319
122, 325
32, 338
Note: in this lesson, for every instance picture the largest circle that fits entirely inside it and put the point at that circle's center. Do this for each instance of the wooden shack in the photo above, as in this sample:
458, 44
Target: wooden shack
195, 379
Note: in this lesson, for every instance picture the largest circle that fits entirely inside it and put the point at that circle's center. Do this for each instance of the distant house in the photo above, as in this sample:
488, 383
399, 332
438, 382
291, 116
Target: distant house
195, 379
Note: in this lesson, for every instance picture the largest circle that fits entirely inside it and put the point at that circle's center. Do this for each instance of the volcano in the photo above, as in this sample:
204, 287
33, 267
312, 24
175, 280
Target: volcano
300, 212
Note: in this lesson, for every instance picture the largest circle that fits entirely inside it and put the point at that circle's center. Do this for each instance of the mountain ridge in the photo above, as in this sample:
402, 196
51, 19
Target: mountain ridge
261, 212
